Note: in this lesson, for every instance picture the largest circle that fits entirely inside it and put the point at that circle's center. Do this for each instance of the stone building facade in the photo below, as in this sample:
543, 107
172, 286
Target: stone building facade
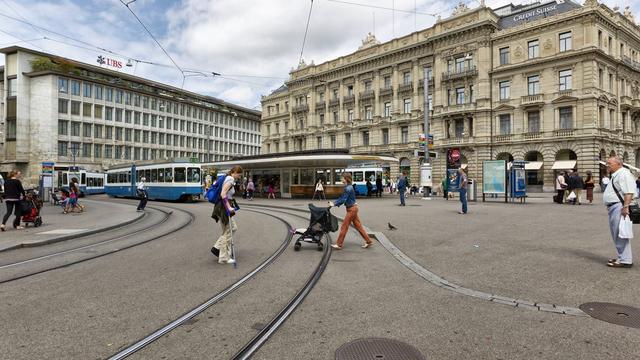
71, 113
556, 84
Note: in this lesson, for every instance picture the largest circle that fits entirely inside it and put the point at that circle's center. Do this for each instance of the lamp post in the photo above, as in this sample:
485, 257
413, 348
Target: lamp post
426, 180
74, 152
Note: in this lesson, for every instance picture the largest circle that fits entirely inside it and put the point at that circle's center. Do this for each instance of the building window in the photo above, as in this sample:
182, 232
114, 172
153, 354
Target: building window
534, 84
127, 134
385, 136
565, 41
321, 120
347, 140
565, 79
97, 151
368, 112
406, 106
97, 131
63, 127
387, 82
448, 97
75, 107
86, 150
600, 78
136, 136
387, 109
533, 118
75, 87
108, 113
404, 134
600, 38
63, 85
367, 85
566, 117
472, 97
534, 49
350, 115
460, 96
505, 90
406, 78
118, 133
459, 128
610, 82
108, 132
333, 142
86, 90
63, 106
335, 118
504, 56
108, 94
86, 130
365, 138
12, 87
119, 115
75, 128
505, 124
62, 148
319, 142
86, 109
119, 94
459, 64
97, 111
610, 45
350, 90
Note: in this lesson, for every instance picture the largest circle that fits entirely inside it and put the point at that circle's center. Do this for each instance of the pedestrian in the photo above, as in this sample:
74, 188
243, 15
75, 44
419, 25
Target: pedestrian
617, 197
72, 203
638, 187
319, 191
369, 188
402, 187
272, 192
578, 186
348, 198
445, 187
223, 212
141, 192
589, 184
1, 188
77, 205
463, 190
571, 186
379, 186
13, 193
251, 187
561, 185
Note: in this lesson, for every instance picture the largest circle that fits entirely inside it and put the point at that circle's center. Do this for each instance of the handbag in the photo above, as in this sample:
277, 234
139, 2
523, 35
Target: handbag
571, 196
625, 228
634, 209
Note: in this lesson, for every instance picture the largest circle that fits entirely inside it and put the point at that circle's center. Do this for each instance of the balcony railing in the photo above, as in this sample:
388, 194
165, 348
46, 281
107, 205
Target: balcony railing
321, 104
421, 82
405, 87
367, 94
563, 133
532, 99
457, 74
505, 137
386, 91
334, 102
568, 92
349, 99
532, 135
300, 108
634, 64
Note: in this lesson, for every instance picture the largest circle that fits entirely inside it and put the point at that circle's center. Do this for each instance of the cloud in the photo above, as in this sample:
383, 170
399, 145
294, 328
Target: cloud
242, 40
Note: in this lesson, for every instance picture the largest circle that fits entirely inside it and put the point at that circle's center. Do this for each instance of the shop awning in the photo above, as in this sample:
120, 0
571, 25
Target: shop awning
563, 165
533, 165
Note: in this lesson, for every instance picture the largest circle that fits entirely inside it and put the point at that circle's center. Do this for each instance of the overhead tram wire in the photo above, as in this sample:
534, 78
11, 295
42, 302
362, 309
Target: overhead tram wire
306, 30
380, 7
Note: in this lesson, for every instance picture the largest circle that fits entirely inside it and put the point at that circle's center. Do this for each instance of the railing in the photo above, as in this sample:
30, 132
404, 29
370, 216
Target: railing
532, 135
563, 133
367, 94
628, 61
386, 91
505, 137
334, 102
472, 71
300, 108
349, 99
532, 99
405, 87
567, 92
321, 104
421, 82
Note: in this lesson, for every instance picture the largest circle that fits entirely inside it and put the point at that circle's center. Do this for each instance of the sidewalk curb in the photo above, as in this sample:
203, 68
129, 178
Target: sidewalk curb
71, 236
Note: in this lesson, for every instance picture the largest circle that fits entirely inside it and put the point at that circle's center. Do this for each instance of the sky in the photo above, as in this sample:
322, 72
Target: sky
253, 45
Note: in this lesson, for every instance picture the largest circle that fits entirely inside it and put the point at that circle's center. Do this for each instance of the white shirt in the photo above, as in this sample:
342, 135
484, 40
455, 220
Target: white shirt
319, 186
624, 183
232, 190
141, 185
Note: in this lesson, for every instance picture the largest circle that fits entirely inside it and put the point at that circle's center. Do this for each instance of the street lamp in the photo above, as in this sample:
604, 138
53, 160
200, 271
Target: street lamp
74, 150
426, 180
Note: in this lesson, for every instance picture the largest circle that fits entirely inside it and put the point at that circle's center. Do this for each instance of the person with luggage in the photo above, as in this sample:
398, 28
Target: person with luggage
223, 212
348, 198
141, 192
13, 193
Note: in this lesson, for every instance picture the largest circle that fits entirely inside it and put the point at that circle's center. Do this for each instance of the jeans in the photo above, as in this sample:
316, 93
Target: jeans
143, 203
402, 192
463, 199
12, 207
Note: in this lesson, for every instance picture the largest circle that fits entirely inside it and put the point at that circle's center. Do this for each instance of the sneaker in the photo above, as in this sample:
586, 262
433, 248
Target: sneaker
335, 246
231, 261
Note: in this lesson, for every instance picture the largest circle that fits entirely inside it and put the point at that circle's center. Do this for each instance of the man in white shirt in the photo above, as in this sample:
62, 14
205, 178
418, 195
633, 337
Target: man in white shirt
624, 184
142, 194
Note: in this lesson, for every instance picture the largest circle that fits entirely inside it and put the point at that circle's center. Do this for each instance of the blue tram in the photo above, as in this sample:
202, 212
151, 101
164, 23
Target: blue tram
89, 182
164, 181
361, 175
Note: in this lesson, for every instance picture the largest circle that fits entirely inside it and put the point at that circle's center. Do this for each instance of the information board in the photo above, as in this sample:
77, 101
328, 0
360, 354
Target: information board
494, 176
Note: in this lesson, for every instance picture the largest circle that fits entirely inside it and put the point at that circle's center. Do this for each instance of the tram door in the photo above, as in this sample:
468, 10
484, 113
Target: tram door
285, 183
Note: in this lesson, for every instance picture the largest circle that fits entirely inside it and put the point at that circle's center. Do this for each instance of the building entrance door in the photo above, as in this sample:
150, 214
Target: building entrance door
285, 183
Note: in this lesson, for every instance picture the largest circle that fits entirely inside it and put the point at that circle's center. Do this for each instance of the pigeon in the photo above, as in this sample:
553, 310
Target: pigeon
391, 227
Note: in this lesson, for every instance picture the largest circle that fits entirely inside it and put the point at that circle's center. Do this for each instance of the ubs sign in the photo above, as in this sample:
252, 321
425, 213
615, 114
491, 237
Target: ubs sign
103, 60
545, 10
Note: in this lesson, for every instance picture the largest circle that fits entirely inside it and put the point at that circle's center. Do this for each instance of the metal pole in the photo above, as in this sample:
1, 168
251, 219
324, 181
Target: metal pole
426, 180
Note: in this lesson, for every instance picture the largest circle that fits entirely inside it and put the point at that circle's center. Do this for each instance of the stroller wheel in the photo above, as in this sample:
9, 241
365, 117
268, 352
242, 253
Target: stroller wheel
38, 222
297, 246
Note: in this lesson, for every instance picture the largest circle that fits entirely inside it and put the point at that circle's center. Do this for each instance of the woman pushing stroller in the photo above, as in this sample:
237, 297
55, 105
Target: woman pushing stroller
348, 198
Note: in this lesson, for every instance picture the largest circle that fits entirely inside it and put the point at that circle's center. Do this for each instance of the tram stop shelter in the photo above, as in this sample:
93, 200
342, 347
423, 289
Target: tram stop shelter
295, 174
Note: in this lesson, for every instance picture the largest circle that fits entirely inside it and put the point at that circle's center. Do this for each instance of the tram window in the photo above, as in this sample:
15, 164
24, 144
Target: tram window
357, 176
168, 175
179, 175
139, 174
193, 175
121, 177
370, 175
295, 177
154, 175
160, 175
147, 174
90, 182
337, 176
65, 179
306, 176
128, 177
83, 179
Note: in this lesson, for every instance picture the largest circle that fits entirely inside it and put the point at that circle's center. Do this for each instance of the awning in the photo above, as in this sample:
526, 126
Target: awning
564, 165
533, 165
631, 167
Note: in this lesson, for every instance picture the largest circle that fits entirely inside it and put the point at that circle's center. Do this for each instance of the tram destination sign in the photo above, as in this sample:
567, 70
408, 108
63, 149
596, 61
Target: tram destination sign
544, 10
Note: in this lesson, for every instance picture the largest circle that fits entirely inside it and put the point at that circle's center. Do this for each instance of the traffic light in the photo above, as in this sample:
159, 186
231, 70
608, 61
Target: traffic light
420, 153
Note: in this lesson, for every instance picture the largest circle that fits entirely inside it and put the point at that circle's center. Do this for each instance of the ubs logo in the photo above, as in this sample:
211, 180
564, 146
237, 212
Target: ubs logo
102, 60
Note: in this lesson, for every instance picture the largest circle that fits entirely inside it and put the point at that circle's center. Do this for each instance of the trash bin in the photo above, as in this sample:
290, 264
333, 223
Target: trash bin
471, 190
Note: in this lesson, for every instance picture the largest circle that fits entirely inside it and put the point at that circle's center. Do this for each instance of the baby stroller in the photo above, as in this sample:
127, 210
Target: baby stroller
31, 206
321, 222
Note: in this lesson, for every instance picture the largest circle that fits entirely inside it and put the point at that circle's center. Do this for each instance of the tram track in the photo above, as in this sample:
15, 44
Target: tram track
248, 349
92, 246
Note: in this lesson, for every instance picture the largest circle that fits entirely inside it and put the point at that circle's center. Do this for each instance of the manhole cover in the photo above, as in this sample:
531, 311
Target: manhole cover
377, 349
613, 313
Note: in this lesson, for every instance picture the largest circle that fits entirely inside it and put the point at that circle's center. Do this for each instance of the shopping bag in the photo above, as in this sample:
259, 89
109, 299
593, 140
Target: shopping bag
571, 196
625, 229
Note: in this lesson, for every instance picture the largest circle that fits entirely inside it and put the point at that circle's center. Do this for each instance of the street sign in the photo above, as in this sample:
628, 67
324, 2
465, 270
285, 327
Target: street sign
47, 167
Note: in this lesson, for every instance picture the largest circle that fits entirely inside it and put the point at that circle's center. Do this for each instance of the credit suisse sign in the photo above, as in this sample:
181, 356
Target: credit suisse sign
545, 10
103, 60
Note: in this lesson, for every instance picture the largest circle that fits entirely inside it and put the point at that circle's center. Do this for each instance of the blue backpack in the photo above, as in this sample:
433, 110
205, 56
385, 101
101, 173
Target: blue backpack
213, 194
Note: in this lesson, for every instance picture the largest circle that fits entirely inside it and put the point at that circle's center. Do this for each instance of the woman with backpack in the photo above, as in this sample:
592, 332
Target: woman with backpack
348, 198
223, 212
